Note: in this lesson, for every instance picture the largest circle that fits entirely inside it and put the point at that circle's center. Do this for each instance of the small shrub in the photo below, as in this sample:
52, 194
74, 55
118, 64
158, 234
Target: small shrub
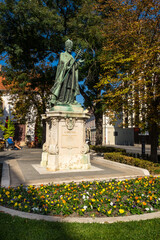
118, 157
9, 130
103, 149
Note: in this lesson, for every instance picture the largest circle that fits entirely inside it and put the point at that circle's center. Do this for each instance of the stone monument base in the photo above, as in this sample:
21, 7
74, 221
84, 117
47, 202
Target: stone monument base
65, 146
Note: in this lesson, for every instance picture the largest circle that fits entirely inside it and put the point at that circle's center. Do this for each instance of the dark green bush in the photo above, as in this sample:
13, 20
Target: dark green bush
118, 157
103, 149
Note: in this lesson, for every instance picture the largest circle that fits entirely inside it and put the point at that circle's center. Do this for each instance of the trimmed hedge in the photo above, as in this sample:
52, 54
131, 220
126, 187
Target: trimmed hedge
104, 149
118, 157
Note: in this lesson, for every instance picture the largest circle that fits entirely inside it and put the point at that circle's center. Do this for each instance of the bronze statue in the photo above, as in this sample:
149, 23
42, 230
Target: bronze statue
66, 88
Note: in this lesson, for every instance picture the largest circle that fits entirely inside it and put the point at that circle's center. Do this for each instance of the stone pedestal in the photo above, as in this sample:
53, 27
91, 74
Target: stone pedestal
65, 146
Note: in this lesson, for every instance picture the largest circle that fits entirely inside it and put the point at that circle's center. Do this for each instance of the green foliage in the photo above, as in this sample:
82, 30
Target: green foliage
9, 130
104, 149
31, 38
130, 63
119, 157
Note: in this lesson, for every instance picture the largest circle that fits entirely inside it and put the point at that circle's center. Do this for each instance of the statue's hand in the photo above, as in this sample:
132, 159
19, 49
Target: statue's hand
80, 61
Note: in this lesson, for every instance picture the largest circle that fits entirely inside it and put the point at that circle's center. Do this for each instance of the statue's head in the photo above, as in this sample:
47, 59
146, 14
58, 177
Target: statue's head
68, 45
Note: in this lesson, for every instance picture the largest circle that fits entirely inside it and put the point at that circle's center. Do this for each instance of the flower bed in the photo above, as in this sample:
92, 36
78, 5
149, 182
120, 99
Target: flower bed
135, 196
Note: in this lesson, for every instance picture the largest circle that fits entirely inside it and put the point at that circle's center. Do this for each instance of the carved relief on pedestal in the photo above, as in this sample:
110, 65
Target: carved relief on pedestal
53, 149
70, 123
85, 149
52, 136
45, 147
54, 121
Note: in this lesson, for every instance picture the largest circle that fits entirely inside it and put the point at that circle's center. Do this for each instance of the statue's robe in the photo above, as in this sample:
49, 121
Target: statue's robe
66, 86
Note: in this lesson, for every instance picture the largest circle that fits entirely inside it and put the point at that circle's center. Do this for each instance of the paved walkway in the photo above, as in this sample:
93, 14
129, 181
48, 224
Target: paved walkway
24, 168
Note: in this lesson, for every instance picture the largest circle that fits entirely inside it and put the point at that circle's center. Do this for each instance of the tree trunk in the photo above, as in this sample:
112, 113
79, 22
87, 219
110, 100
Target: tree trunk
98, 123
154, 142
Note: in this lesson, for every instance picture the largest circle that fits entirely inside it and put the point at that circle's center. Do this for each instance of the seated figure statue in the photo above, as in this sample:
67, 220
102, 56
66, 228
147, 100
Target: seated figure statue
66, 88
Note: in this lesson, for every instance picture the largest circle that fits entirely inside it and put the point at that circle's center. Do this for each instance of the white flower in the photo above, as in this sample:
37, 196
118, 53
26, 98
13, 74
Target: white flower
35, 208
147, 209
84, 197
142, 195
158, 199
87, 193
85, 207
91, 206
151, 208
111, 203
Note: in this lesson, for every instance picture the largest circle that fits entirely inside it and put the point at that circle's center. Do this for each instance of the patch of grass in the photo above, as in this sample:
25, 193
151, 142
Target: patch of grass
16, 228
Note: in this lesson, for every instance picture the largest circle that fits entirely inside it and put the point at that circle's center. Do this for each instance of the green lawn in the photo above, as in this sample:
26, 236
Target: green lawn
15, 228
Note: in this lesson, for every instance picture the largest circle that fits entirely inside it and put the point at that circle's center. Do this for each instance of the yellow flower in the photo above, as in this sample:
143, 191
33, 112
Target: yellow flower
15, 204
25, 206
93, 200
19, 196
121, 210
7, 193
109, 212
82, 209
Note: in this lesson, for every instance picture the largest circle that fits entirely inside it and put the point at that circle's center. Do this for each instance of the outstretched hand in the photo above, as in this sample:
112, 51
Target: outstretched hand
81, 61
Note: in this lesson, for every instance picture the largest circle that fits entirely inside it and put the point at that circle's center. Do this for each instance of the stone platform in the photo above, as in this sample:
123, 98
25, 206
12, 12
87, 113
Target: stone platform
24, 168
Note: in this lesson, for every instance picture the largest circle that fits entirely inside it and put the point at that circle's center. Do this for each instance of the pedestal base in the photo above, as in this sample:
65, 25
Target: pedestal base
65, 146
